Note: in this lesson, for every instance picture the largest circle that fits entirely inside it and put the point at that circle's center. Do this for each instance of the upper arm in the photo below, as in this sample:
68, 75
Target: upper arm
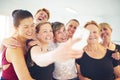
78, 68
41, 58
16, 57
35, 52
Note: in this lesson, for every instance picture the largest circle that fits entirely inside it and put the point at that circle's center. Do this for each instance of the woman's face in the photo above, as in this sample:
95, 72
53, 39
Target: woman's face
26, 29
71, 27
105, 33
45, 34
94, 33
60, 35
41, 16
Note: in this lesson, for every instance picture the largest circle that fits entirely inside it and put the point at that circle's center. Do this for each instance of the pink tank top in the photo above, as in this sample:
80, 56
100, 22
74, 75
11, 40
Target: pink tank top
9, 73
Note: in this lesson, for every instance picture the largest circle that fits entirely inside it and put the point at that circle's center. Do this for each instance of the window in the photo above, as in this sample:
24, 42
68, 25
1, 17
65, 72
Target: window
5, 30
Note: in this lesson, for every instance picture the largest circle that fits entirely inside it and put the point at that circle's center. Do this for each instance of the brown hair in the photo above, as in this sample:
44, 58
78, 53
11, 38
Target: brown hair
45, 10
56, 26
19, 15
74, 20
39, 25
104, 25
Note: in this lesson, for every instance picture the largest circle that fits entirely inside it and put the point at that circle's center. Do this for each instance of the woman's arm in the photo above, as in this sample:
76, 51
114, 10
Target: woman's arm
16, 57
117, 72
80, 76
10, 42
62, 53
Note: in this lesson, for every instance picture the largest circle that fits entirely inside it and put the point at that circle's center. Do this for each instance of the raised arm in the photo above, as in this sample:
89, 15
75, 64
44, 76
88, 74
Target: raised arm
62, 53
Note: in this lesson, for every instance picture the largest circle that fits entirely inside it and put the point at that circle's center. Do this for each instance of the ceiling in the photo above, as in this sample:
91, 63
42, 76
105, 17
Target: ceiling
64, 8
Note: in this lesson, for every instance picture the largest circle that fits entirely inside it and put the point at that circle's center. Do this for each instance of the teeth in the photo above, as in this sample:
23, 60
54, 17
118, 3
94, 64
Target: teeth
40, 18
48, 38
29, 34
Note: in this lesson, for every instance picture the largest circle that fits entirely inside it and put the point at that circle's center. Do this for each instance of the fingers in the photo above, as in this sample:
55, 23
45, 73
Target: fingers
116, 55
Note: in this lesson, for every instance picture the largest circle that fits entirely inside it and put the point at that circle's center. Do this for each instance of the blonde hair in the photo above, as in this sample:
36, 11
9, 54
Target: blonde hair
104, 25
91, 22
45, 10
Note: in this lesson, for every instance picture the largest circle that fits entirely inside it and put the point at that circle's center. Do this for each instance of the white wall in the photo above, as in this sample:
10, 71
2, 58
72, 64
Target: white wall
83, 10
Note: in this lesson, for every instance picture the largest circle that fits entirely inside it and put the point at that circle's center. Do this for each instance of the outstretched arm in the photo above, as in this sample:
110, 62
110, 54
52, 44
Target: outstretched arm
62, 53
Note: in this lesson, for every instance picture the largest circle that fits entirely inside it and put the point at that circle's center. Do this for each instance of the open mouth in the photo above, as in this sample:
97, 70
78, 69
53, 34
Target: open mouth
39, 19
48, 38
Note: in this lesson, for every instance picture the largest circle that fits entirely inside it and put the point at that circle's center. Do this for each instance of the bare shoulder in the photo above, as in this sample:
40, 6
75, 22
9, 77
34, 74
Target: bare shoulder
35, 50
14, 53
14, 50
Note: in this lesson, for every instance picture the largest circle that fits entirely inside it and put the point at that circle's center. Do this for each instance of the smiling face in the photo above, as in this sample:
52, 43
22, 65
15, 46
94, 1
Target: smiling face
105, 31
71, 27
26, 28
45, 34
41, 16
60, 35
94, 33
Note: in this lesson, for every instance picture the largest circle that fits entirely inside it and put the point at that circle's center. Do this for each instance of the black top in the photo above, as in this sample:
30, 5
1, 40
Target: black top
37, 72
97, 69
118, 49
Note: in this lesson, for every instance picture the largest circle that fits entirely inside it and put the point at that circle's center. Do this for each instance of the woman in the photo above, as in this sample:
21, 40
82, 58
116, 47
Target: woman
42, 15
41, 62
13, 59
105, 34
96, 62
71, 26
63, 70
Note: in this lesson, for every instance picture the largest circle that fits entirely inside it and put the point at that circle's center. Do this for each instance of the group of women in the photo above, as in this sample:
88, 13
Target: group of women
44, 50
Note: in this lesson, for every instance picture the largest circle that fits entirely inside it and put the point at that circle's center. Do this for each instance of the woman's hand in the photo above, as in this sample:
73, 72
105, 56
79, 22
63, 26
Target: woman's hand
65, 51
116, 55
11, 42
